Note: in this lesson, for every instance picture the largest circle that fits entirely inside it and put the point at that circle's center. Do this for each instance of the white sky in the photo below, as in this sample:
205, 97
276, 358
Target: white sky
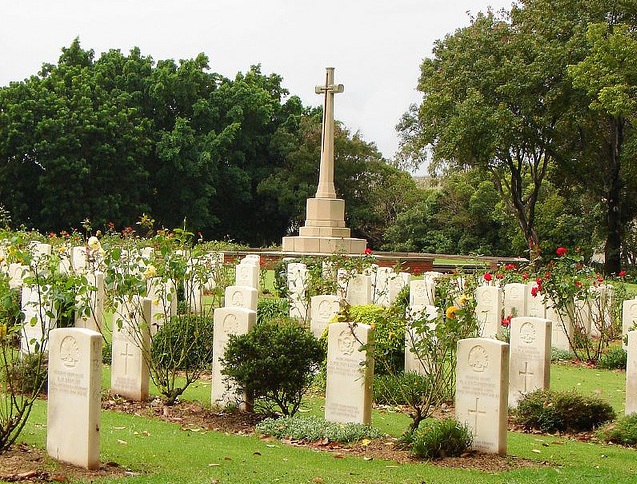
376, 46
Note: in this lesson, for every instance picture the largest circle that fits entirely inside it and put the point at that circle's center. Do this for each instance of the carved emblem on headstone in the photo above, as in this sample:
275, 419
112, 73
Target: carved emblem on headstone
230, 324
478, 359
237, 299
527, 333
325, 310
346, 342
69, 352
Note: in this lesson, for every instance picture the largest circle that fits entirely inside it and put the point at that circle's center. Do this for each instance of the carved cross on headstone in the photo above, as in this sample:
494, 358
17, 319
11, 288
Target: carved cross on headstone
326, 187
126, 354
526, 373
476, 413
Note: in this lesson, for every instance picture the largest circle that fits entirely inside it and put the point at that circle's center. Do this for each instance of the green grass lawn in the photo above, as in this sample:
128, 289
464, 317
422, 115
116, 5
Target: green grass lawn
161, 452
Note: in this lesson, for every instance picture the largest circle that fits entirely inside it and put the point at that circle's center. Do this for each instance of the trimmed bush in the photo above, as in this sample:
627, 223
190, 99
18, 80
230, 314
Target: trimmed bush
623, 431
399, 389
551, 411
312, 429
389, 336
271, 308
27, 374
613, 359
183, 343
437, 439
274, 362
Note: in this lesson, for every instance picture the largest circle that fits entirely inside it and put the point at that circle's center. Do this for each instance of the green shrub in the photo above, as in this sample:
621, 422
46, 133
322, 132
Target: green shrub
313, 429
107, 352
561, 355
183, 343
399, 389
275, 363
436, 439
623, 431
271, 308
552, 411
27, 374
613, 359
389, 336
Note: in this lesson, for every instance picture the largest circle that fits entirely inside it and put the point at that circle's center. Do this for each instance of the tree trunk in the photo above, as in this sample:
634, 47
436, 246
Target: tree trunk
612, 248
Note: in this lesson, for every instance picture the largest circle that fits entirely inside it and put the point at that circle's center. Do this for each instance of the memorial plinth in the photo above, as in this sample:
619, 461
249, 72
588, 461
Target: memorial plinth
324, 231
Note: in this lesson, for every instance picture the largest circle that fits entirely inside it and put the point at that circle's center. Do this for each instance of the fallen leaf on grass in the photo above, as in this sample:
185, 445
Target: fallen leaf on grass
365, 442
339, 456
123, 442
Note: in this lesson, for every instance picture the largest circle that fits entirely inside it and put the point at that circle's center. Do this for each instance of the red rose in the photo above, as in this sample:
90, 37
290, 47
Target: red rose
488, 276
561, 251
534, 291
368, 251
622, 273
525, 276
509, 267
499, 276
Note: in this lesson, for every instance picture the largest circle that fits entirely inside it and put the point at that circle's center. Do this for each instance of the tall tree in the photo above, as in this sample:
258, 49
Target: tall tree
486, 104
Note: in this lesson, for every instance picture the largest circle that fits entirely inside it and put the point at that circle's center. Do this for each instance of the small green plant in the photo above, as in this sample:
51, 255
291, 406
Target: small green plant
437, 439
313, 429
399, 389
623, 431
27, 374
274, 362
613, 359
561, 355
551, 411
389, 336
270, 308
183, 344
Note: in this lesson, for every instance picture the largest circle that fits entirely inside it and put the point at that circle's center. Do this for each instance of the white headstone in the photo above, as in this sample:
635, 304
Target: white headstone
482, 380
227, 321
90, 304
535, 304
381, 285
130, 376
631, 373
396, 284
359, 290
193, 295
247, 274
163, 294
601, 308
253, 259
530, 357
489, 310
562, 328
39, 318
74, 396
515, 300
421, 292
17, 273
418, 363
350, 373
629, 316
79, 259
323, 309
241, 297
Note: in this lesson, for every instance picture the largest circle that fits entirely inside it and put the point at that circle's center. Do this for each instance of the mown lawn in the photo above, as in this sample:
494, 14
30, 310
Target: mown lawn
161, 452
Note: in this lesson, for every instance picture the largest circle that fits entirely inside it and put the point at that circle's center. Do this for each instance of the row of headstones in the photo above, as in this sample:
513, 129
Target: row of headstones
376, 285
493, 303
487, 375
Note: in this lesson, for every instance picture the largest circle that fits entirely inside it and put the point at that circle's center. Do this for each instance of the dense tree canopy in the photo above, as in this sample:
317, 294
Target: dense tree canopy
550, 83
109, 139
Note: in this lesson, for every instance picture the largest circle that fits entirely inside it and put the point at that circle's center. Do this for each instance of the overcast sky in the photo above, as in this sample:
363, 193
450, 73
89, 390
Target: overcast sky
376, 46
